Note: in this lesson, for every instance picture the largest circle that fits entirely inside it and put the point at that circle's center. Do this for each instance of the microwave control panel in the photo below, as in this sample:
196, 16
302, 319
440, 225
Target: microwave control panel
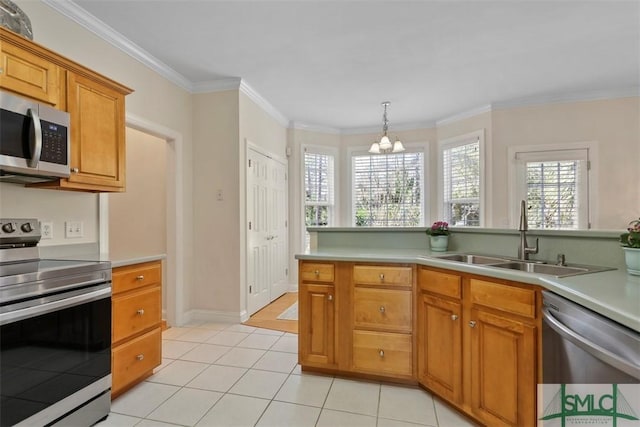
54, 143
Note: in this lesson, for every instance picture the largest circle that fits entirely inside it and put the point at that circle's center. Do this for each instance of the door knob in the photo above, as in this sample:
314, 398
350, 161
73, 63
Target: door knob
472, 323
330, 297
382, 310
140, 312
381, 353
454, 317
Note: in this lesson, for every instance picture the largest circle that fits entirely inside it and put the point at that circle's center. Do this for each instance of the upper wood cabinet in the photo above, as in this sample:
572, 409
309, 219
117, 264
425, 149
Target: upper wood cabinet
95, 103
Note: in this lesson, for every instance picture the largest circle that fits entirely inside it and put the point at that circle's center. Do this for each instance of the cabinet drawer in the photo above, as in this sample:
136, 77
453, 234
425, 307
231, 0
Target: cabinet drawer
382, 275
134, 359
316, 272
135, 312
136, 276
382, 353
449, 285
507, 298
382, 309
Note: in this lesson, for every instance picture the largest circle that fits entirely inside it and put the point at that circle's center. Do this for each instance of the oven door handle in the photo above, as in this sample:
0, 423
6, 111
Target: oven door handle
48, 307
590, 347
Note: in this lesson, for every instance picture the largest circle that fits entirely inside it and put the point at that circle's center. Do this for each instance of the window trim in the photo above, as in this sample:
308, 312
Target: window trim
329, 151
457, 141
422, 147
515, 184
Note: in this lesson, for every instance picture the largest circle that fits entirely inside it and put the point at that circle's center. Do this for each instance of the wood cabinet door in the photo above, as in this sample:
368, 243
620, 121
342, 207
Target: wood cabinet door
503, 354
440, 346
97, 134
316, 328
30, 75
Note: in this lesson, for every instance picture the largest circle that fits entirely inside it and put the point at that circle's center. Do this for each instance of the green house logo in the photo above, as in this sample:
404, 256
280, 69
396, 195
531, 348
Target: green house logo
586, 407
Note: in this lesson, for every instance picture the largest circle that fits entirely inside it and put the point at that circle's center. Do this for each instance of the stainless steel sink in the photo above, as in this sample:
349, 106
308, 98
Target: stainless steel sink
472, 259
537, 267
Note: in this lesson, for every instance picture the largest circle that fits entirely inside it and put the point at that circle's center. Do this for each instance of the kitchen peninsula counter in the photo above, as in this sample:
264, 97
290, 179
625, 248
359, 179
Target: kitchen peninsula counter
613, 294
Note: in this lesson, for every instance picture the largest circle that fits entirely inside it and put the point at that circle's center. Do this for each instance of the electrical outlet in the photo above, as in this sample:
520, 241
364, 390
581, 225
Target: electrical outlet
46, 230
74, 229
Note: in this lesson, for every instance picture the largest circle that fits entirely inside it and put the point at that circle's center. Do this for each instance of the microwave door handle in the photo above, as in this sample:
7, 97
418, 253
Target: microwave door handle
35, 138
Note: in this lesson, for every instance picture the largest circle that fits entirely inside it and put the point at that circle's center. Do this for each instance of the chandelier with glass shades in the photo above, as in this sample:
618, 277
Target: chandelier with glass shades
385, 146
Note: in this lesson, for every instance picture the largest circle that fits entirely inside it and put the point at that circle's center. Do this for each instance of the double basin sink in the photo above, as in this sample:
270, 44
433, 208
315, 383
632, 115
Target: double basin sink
538, 267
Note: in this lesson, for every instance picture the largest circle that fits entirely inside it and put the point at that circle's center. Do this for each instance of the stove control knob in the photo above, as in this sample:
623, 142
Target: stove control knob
26, 227
8, 227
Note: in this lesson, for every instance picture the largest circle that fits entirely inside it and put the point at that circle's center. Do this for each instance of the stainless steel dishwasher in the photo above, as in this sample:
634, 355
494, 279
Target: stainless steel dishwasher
583, 347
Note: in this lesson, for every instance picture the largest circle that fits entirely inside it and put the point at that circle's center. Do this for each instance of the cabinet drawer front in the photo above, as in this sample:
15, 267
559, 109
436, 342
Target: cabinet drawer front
382, 309
135, 312
382, 275
449, 285
29, 75
507, 298
316, 272
382, 353
136, 276
134, 359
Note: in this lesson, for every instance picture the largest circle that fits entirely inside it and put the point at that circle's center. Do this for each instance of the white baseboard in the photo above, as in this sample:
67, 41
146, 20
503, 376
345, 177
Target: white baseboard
293, 287
215, 316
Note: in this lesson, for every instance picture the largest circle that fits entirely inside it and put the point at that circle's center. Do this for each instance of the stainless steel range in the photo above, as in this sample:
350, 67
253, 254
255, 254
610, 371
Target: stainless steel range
55, 334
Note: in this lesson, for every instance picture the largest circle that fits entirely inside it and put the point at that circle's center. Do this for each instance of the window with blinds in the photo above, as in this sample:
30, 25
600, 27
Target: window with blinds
388, 189
461, 180
318, 188
556, 188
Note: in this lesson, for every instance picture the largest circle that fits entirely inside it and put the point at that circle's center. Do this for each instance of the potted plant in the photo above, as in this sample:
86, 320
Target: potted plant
439, 236
631, 245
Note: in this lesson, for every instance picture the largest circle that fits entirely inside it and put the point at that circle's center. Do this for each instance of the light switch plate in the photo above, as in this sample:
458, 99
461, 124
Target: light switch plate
73, 229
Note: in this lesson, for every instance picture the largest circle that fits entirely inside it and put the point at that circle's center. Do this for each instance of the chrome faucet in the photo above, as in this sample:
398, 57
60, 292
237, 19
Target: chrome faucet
524, 249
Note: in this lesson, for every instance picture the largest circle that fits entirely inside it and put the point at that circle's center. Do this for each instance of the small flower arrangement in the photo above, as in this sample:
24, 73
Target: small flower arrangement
439, 228
631, 239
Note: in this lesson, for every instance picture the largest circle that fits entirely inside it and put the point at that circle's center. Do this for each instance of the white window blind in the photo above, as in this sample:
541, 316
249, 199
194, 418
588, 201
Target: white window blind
555, 185
318, 188
461, 179
388, 189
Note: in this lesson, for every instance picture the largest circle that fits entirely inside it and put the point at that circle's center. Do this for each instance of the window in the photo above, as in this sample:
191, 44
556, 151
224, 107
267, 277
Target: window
554, 184
318, 189
388, 189
461, 176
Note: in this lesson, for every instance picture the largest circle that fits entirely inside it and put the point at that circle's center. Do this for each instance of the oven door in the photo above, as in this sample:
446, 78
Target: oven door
55, 355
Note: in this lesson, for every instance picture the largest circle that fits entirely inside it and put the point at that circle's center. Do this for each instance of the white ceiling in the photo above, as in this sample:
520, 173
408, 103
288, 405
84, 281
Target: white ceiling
331, 63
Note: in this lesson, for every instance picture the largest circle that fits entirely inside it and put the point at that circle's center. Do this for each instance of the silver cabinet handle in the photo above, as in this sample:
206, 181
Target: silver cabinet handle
140, 312
381, 353
381, 309
317, 273
75, 170
140, 357
472, 323
140, 277
454, 317
330, 297
381, 277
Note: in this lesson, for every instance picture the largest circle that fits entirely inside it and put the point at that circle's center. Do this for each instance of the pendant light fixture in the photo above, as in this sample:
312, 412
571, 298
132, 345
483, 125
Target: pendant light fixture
385, 146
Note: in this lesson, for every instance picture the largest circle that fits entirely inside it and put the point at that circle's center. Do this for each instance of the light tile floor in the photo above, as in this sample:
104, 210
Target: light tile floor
215, 374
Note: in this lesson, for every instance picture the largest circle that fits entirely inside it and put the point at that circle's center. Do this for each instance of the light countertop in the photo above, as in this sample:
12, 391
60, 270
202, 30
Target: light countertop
613, 294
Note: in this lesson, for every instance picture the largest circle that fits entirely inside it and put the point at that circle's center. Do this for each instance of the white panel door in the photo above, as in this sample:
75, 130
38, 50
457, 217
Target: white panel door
267, 232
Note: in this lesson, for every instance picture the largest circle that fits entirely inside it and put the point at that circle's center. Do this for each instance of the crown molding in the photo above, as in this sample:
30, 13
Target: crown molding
218, 85
464, 115
595, 95
313, 128
396, 127
263, 103
82, 17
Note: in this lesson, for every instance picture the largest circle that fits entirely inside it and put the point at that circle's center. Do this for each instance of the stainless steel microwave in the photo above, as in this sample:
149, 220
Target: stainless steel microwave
34, 140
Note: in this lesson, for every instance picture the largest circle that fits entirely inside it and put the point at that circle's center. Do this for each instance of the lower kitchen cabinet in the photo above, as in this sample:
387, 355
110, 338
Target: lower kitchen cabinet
136, 335
316, 327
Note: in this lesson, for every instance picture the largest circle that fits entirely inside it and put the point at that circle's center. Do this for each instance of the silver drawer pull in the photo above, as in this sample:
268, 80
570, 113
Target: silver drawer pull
140, 357
75, 170
317, 273
140, 312
381, 353
140, 277
330, 297
472, 323
381, 277
381, 309
454, 317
